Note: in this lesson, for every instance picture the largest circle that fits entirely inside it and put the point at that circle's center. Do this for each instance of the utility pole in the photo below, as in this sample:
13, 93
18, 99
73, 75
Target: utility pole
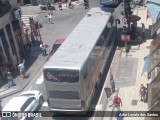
47, 5
127, 14
37, 27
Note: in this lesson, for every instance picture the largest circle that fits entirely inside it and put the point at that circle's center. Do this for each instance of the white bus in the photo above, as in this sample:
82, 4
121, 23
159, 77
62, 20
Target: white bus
73, 73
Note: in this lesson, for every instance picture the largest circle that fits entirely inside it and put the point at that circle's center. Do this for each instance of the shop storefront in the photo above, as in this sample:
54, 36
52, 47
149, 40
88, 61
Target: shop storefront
11, 46
18, 38
154, 74
5, 53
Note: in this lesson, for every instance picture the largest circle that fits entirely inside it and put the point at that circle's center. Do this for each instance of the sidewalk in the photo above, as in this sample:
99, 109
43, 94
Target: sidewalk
33, 64
127, 69
34, 61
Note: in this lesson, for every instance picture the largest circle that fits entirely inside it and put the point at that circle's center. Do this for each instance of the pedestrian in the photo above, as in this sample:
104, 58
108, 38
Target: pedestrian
22, 69
142, 92
117, 102
32, 39
10, 79
119, 115
29, 46
60, 5
43, 47
86, 4
143, 30
66, 1
50, 54
69, 4
50, 17
112, 83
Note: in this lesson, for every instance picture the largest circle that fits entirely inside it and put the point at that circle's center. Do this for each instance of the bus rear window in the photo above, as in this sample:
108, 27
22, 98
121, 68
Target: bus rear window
61, 75
64, 94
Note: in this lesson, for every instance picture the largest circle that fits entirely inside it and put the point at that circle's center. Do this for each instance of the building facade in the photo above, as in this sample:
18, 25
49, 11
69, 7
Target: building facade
154, 72
12, 40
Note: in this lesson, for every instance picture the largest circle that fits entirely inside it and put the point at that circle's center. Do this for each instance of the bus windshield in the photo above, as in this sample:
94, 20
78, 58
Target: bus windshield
61, 75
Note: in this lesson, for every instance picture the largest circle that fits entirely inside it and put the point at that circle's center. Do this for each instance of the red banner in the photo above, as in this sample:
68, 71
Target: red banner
33, 28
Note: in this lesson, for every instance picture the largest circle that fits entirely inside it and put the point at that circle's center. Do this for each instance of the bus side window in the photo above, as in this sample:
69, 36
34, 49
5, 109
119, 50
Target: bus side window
100, 41
85, 74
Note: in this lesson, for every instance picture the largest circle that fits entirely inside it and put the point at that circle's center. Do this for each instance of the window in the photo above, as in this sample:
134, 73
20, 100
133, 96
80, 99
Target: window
62, 75
64, 94
27, 103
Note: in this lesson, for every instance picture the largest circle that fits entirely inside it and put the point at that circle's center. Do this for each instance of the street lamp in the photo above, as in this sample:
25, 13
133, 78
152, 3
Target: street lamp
128, 12
38, 25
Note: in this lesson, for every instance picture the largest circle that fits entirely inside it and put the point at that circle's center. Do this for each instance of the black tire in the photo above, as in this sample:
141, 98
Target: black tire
41, 101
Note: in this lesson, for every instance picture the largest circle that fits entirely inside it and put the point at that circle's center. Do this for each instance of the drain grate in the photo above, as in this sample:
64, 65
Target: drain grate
134, 102
126, 72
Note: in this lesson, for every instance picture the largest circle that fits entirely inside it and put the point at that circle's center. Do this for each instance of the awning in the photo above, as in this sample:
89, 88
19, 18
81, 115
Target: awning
146, 64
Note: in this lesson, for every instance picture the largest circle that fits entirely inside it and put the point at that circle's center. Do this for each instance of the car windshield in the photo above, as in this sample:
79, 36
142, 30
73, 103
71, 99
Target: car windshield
29, 94
55, 47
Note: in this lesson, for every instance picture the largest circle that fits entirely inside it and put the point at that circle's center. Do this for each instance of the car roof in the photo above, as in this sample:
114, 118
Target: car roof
15, 103
59, 41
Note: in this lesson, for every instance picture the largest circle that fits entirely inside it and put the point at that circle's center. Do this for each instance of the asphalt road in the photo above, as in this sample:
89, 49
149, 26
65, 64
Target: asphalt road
64, 22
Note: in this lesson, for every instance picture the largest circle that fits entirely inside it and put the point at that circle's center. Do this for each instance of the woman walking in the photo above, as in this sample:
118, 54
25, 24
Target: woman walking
142, 92
22, 69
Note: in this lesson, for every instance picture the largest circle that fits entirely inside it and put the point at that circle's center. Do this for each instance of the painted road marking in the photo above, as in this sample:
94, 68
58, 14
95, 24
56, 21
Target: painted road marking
45, 104
40, 80
99, 107
30, 88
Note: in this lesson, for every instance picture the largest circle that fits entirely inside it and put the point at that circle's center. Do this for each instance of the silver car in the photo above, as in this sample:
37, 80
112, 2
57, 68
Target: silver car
26, 101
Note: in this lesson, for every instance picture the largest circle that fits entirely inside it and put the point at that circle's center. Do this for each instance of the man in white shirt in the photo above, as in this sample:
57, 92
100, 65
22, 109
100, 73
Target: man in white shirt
143, 30
43, 48
50, 17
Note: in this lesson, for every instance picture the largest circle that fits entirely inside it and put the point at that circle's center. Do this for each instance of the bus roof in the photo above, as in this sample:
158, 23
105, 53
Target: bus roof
79, 44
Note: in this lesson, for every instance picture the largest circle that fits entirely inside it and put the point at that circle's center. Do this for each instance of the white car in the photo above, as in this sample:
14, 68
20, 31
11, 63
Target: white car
26, 101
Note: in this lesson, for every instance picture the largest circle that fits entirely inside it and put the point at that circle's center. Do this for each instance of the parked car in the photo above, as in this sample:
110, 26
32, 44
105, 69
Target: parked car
43, 6
26, 101
57, 44
55, 47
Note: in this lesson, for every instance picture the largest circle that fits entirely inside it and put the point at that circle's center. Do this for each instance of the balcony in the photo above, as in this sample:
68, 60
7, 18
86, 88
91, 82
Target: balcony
4, 8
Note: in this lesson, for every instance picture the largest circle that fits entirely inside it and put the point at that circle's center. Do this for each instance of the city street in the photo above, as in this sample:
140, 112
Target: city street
126, 67
64, 22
